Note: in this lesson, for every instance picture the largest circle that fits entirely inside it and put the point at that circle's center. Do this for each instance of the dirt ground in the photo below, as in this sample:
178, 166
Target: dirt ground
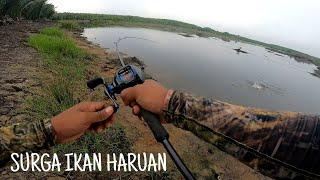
18, 61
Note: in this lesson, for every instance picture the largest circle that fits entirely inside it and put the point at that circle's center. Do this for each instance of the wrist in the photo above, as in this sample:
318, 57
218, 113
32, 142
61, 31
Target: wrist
167, 99
50, 132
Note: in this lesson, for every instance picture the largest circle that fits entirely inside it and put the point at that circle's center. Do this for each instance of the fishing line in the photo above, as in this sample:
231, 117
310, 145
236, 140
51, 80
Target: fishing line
128, 37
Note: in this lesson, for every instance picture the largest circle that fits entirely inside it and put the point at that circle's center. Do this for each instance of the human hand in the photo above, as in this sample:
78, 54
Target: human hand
74, 122
150, 96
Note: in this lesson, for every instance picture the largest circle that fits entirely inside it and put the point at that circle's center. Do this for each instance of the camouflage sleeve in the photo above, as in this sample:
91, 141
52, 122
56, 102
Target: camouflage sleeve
25, 137
278, 144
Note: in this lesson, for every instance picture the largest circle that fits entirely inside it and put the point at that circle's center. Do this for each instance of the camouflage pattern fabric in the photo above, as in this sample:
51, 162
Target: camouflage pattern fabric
282, 145
25, 137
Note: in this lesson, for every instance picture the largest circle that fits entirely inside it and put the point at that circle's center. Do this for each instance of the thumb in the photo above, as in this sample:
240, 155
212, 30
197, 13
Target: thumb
128, 95
93, 117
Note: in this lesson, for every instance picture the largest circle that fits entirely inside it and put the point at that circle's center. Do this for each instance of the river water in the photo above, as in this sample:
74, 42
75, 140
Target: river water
210, 67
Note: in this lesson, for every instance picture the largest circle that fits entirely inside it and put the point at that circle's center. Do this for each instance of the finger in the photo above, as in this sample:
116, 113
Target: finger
109, 122
99, 126
100, 129
91, 106
128, 95
133, 103
94, 117
94, 126
104, 124
136, 110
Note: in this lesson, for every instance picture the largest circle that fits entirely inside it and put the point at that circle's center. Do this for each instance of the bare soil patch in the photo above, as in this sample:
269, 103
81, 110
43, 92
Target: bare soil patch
17, 61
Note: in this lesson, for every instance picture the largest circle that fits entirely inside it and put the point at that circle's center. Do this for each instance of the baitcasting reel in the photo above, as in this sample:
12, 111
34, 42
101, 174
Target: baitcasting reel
129, 76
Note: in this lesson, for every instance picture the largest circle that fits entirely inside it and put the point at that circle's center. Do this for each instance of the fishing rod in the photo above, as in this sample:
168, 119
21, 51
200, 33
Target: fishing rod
129, 76
127, 37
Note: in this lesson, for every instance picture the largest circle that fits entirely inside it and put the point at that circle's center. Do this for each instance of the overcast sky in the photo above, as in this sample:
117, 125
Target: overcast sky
291, 23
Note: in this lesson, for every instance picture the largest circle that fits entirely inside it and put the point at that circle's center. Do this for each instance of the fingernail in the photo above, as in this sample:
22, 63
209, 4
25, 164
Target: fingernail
109, 110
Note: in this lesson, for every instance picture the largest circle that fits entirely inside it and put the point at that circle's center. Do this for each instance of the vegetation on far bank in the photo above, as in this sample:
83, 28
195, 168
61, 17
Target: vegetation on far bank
29, 9
76, 20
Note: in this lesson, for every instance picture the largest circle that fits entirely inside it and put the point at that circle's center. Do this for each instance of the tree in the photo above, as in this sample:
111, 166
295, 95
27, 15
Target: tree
30, 9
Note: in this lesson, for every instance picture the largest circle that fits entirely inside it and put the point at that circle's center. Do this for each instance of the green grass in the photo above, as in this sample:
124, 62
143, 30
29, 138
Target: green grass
112, 141
65, 62
54, 43
58, 97
52, 31
95, 20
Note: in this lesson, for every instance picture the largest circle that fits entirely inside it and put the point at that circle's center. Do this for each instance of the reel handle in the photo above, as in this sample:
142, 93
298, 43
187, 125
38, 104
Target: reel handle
95, 82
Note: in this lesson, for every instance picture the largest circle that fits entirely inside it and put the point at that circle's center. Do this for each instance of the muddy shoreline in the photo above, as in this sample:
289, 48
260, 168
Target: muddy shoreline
17, 62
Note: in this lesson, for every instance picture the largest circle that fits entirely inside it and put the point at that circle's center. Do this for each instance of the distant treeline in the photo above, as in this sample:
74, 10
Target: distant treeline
29, 9
115, 19
94, 20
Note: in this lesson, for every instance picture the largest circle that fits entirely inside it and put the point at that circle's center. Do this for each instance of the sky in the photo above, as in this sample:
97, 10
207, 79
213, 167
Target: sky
290, 23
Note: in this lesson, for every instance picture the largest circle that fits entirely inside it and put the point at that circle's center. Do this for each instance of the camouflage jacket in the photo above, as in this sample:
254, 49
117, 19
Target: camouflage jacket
282, 145
24, 137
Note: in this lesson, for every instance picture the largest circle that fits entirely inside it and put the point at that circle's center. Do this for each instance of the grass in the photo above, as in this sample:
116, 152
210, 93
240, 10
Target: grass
95, 20
114, 140
58, 98
65, 67
52, 31
54, 43
64, 61
93, 143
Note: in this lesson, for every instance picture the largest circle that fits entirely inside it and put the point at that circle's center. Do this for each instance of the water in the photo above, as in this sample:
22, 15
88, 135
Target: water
210, 67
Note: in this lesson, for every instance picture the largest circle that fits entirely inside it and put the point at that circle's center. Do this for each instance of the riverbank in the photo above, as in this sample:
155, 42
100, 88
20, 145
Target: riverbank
56, 77
103, 20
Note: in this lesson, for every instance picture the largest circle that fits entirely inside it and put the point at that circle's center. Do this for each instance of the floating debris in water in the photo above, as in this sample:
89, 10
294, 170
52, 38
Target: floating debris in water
258, 86
186, 35
261, 86
240, 51
279, 54
316, 72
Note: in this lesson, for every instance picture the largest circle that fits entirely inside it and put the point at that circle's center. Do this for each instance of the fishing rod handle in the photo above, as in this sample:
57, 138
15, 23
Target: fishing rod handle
159, 132
177, 160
